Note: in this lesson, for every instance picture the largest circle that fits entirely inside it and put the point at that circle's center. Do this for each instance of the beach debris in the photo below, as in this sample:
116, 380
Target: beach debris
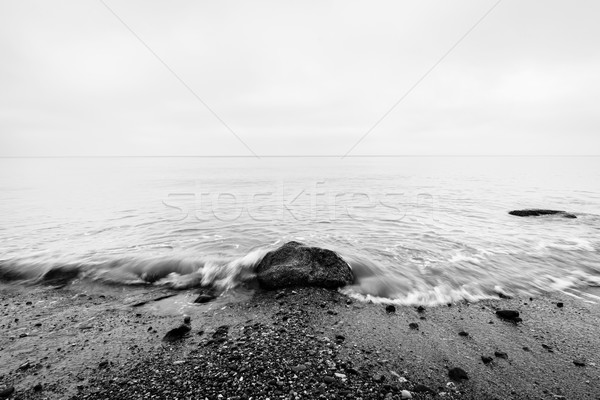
405, 394
6, 392
509, 315
457, 374
162, 297
501, 354
177, 333
204, 298
536, 212
390, 308
463, 333
579, 362
295, 264
413, 325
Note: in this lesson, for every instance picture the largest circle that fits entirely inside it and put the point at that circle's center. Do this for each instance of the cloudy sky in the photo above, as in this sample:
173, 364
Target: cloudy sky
301, 77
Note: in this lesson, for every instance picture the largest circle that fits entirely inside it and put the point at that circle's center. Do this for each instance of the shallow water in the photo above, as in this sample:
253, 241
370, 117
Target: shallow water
414, 229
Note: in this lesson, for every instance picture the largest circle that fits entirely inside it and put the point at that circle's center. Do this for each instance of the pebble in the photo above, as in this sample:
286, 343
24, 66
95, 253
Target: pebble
413, 325
501, 354
390, 308
457, 374
486, 359
579, 362
559, 305
299, 368
463, 333
328, 379
405, 394
378, 378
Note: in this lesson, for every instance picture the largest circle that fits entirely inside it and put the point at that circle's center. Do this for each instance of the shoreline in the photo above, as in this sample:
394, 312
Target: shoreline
83, 342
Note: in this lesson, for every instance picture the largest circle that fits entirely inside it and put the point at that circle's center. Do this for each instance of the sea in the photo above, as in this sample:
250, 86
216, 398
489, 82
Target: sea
415, 230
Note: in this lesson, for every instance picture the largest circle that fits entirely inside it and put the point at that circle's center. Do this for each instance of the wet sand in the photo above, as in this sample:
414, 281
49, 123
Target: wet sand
82, 342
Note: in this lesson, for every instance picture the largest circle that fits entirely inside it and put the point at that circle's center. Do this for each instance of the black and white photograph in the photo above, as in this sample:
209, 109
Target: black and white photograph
261, 200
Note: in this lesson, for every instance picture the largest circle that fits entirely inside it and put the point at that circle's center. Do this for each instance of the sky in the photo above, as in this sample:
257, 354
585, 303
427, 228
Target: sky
146, 78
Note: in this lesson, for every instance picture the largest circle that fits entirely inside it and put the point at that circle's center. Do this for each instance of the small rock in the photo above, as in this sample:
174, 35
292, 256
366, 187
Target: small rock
340, 338
559, 305
457, 374
463, 333
378, 378
526, 348
24, 366
420, 309
177, 333
579, 362
405, 394
510, 315
187, 319
413, 325
299, 368
390, 308
420, 388
38, 387
501, 354
103, 364
486, 359
328, 379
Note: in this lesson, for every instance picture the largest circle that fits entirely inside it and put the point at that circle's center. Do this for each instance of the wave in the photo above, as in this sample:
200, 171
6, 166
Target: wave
471, 275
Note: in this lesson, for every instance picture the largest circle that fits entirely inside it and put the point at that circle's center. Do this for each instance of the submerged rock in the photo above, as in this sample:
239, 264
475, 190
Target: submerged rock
295, 264
536, 212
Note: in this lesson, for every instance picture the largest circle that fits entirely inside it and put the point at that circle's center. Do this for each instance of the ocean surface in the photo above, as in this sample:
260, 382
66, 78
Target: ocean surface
415, 230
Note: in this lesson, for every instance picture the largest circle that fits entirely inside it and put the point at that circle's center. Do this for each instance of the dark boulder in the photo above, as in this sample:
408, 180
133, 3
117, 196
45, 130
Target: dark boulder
295, 264
6, 392
536, 212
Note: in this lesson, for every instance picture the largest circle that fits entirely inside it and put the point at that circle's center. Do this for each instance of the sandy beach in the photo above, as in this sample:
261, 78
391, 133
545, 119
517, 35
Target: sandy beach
82, 342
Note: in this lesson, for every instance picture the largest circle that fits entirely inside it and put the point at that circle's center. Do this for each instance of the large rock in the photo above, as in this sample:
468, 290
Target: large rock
536, 212
295, 264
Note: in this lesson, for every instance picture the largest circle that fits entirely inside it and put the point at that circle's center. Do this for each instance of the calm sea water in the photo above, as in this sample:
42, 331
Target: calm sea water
414, 229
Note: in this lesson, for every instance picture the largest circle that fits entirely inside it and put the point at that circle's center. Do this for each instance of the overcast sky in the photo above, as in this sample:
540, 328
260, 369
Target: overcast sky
302, 77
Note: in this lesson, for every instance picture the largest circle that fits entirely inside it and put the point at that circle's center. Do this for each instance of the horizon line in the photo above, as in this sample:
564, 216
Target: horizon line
306, 156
